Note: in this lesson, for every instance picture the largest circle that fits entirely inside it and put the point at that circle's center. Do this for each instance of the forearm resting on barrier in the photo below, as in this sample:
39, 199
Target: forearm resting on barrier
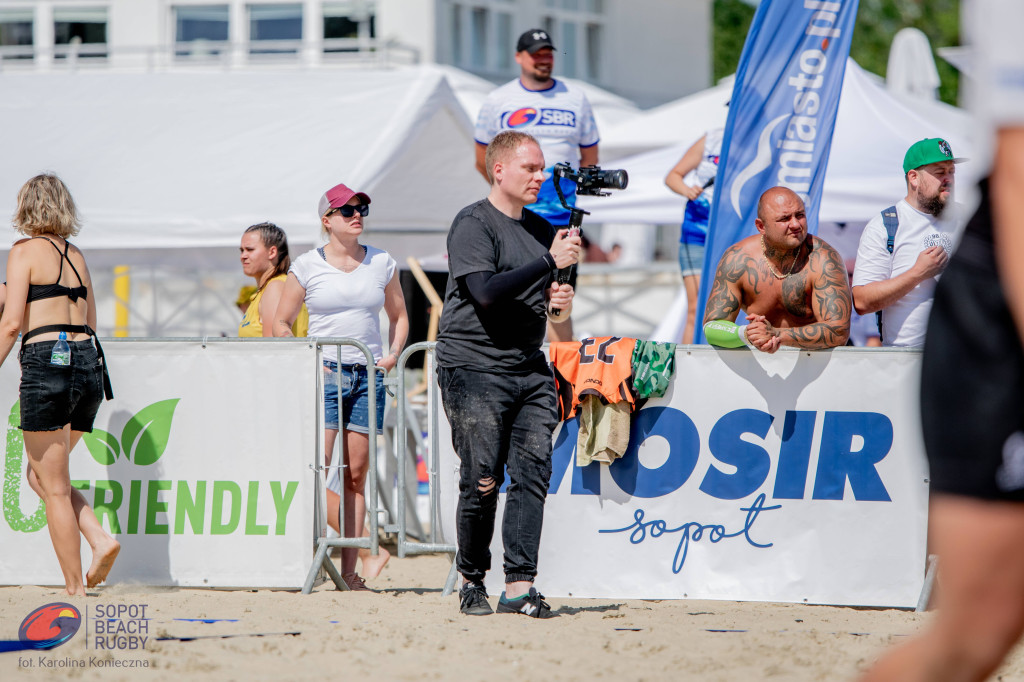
726, 334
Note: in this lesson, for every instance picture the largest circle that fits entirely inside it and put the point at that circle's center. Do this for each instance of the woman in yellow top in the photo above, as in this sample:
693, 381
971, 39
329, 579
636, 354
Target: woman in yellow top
264, 255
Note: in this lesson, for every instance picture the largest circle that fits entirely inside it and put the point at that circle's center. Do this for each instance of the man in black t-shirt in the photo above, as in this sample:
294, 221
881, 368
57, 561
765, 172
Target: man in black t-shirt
496, 387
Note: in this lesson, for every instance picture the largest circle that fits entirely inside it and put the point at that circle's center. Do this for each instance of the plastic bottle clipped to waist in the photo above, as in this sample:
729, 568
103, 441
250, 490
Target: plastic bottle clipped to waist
61, 354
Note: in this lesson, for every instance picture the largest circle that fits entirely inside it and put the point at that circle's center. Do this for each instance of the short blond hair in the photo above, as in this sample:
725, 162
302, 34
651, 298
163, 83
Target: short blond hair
504, 144
45, 206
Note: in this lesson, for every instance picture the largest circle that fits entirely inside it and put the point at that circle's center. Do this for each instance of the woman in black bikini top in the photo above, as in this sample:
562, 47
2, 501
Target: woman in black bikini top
61, 390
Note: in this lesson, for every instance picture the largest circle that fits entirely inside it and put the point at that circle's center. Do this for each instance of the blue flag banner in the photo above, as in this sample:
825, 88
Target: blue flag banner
781, 116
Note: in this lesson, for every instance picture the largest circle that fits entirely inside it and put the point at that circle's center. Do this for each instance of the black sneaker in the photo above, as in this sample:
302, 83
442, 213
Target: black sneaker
473, 600
531, 604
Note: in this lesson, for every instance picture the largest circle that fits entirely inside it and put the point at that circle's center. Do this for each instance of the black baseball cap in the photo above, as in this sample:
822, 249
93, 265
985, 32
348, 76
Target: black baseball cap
533, 40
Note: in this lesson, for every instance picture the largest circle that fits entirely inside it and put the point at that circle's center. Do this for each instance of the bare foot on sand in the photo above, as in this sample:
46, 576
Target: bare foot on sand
373, 565
102, 561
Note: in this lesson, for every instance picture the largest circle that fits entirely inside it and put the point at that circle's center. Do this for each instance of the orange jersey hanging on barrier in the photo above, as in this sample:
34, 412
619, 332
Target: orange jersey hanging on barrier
601, 367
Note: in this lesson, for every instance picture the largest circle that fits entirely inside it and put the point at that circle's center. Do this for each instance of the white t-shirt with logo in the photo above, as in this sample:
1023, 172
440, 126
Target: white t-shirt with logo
905, 321
559, 117
346, 303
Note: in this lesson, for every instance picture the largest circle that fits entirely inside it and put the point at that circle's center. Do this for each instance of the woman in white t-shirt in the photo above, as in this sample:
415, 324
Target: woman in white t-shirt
344, 285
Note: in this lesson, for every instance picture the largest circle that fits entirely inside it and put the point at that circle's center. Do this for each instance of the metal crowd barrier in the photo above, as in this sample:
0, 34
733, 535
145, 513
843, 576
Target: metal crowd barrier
402, 456
405, 547
323, 545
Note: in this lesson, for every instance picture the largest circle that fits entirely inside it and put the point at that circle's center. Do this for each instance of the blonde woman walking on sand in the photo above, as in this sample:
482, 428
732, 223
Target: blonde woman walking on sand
63, 376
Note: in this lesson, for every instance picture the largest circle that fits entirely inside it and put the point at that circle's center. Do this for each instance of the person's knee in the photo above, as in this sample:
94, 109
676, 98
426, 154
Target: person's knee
356, 480
485, 490
487, 485
54, 488
981, 644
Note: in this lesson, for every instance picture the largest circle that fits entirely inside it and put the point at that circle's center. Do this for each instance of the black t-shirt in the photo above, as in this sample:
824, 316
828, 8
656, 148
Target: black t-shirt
507, 336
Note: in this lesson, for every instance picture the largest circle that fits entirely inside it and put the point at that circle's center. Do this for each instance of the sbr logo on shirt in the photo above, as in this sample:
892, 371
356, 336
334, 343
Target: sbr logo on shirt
528, 116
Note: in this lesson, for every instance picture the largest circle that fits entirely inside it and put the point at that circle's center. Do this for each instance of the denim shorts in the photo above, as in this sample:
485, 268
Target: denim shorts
691, 259
53, 396
355, 400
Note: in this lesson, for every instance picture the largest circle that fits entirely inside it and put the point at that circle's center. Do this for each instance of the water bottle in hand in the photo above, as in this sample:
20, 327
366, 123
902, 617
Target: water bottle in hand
61, 354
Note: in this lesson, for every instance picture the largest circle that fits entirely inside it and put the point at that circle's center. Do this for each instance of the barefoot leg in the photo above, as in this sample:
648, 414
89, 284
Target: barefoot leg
48, 458
373, 565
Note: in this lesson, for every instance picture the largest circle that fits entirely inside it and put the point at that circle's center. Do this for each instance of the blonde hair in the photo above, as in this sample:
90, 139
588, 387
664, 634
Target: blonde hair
45, 206
505, 143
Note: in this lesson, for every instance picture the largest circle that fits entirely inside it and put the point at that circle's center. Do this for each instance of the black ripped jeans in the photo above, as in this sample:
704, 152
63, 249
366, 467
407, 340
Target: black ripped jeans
499, 421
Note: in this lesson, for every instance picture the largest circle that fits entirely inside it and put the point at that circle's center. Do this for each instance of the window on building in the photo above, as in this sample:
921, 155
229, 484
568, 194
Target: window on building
593, 48
200, 24
549, 25
82, 30
571, 5
503, 42
478, 38
16, 34
276, 25
456, 24
352, 19
567, 50
595, 6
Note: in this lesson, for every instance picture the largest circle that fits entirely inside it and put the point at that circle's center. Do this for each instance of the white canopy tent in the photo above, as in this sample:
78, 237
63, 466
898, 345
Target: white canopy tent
189, 159
168, 169
873, 130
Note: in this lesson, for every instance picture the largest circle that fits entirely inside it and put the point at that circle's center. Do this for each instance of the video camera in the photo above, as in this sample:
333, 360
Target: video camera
590, 181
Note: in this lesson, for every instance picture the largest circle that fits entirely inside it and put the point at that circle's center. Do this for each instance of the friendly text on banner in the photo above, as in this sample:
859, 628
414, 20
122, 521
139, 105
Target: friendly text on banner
201, 466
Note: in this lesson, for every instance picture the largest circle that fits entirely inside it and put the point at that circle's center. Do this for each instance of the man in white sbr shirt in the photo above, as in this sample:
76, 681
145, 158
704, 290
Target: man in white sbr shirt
558, 116
929, 224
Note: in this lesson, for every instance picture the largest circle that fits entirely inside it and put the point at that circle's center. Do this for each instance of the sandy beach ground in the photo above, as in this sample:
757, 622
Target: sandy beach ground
409, 631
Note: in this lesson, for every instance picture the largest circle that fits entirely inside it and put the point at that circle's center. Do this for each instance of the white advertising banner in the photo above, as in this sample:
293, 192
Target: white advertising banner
200, 466
793, 477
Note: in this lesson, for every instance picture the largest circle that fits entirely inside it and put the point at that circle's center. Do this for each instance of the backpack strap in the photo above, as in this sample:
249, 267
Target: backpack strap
891, 221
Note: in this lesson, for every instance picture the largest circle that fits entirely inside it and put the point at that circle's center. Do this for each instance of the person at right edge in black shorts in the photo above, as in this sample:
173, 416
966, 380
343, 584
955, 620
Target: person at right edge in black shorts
496, 387
972, 393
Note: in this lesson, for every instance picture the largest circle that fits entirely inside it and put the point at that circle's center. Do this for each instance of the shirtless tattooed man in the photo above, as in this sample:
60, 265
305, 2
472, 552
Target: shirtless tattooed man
791, 284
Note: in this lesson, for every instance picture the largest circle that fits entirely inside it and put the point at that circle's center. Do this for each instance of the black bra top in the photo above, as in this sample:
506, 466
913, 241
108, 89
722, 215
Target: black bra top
37, 292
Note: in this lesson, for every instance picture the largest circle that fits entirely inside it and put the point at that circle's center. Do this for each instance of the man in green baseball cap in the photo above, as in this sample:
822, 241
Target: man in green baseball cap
904, 248
927, 151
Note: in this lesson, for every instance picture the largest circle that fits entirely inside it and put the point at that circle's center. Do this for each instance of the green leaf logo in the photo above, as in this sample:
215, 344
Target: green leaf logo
14, 475
145, 435
102, 446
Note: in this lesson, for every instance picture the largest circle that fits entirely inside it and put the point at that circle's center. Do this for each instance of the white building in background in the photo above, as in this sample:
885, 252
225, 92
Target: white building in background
649, 51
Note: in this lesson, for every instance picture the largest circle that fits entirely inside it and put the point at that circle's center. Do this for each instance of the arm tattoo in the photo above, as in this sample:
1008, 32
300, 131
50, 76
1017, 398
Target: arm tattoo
831, 303
284, 328
723, 302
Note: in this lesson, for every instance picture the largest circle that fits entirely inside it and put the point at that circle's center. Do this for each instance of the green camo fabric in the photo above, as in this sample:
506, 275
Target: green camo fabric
653, 365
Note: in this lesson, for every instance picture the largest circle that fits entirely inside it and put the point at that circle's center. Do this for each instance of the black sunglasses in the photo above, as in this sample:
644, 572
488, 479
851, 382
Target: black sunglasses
348, 210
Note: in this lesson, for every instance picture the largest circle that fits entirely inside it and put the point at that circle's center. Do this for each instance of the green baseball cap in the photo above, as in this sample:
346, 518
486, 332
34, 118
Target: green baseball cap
928, 150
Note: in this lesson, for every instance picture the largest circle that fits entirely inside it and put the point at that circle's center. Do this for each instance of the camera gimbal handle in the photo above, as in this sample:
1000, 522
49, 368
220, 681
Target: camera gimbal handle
575, 222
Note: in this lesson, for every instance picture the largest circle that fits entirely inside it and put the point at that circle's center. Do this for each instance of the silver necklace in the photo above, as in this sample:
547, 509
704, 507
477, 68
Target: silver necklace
768, 262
